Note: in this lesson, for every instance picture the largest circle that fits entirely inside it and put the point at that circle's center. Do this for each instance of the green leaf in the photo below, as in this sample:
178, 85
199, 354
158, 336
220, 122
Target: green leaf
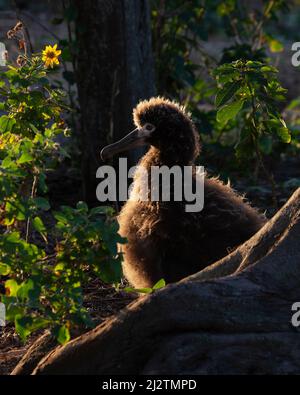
293, 104
12, 286
139, 290
8, 163
59, 267
60, 217
6, 124
38, 225
39, 323
275, 46
82, 206
102, 210
63, 335
160, 284
42, 203
225, 8
23, 326
16, 210
229, 111
284, 134
25, 288
110, 271
42, 183
269, 69
4, 269
13, 237
144, 290
26, 325
225, 94
34, 129
25, 158
12, 308
128, 289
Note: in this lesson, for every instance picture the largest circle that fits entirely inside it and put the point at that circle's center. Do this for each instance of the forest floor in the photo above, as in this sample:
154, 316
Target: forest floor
102, 301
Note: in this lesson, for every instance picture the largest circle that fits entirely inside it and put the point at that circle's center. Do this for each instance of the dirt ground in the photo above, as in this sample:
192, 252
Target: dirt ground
101, 300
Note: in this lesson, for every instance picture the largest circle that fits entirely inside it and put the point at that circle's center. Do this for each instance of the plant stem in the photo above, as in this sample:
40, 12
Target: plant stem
32, 195
254, 127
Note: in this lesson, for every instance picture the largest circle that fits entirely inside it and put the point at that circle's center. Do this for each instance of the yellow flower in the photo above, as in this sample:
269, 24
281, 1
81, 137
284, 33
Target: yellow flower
8, 139
50, 55
22, 107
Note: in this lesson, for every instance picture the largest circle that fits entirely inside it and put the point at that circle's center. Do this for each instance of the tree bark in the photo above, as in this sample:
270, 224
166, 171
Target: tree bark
114, 71
234, 317
41, 347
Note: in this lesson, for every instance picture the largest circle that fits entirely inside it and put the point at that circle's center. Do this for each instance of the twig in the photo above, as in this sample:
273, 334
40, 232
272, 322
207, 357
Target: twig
18, 14
269, 176
33, 19
235, 30
114, 93
33, 192
70, 38
258, 29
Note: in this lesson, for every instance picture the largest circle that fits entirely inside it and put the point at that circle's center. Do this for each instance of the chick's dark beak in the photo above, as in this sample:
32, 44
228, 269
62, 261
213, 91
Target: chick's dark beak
136, 138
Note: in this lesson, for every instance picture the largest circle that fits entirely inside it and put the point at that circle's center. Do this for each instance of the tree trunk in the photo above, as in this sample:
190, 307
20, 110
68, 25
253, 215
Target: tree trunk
233, 317
114, 71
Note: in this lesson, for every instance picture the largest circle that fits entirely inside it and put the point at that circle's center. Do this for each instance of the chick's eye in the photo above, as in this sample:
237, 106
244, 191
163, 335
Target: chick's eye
149, 127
